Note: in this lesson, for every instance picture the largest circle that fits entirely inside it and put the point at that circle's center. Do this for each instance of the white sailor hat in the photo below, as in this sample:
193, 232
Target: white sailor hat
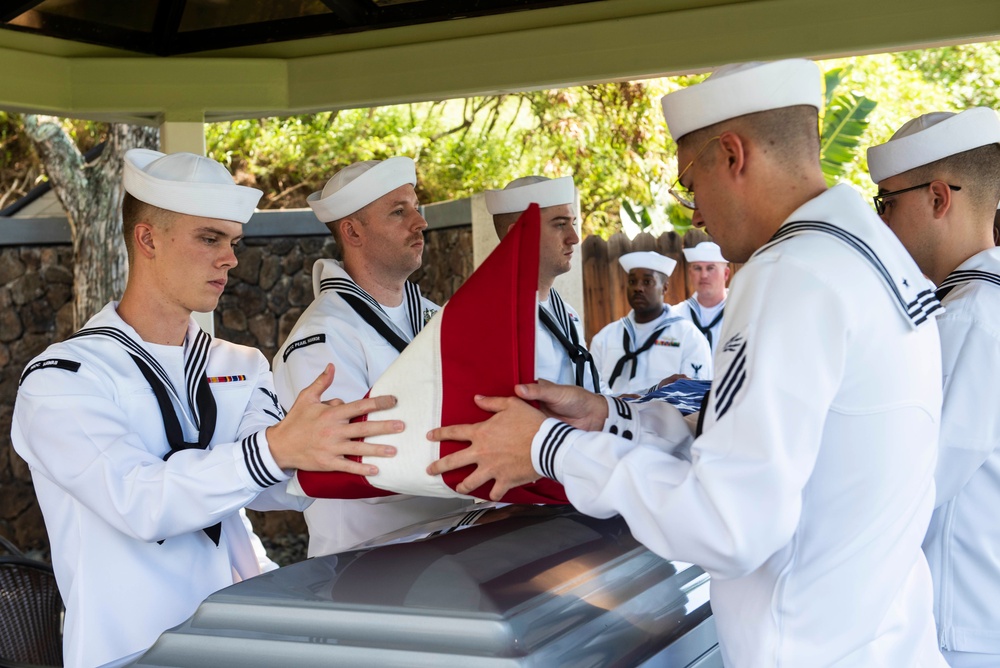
741, 89
526, 190
932, 137
358, 185
187, 183
647, 260
706, 251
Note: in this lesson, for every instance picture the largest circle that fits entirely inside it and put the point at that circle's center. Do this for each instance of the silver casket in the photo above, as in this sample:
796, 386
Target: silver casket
496, 586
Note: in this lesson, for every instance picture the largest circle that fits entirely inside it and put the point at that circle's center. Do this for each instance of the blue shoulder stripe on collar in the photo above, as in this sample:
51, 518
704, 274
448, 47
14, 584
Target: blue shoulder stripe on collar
968, 275
918, 310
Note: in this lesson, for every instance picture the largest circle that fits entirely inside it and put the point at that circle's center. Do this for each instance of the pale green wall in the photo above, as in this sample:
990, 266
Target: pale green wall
616, 39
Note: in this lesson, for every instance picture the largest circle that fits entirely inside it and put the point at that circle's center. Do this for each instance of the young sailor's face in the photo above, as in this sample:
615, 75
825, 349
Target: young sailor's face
909, 216
558, 238
393, 231
193, 260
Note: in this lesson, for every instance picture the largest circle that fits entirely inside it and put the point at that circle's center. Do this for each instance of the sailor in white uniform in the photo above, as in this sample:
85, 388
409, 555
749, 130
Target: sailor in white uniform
939, 183
652, 342
364, 313
561, 354
808, 493
708, 271
146, 436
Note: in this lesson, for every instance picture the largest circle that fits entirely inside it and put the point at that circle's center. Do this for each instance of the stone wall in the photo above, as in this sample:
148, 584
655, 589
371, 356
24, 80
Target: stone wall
36, 308
267, 292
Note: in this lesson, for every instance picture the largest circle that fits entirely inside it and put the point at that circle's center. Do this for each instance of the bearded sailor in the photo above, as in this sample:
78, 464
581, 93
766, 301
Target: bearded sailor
939, 183
652, 343
810, 488
363, 315
708, 271
146, 436
561, 354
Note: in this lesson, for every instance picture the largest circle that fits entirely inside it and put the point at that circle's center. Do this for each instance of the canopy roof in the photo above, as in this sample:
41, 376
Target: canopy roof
171, 27
176, 60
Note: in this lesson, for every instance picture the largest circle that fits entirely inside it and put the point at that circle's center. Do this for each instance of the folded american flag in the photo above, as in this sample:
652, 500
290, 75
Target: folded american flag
685, 394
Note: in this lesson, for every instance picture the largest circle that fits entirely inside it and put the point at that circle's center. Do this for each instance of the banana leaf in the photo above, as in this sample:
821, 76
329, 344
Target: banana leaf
640, 217
831, 81
844, 123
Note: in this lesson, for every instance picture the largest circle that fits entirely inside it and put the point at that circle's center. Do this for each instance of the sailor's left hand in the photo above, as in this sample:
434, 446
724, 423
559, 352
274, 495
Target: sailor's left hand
500, 447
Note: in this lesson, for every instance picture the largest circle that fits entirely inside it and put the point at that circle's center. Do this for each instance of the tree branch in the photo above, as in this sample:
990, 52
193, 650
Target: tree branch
62, 159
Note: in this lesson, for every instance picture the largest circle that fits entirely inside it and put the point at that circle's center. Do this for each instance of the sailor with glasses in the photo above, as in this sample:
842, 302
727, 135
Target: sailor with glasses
946, 222
808, 492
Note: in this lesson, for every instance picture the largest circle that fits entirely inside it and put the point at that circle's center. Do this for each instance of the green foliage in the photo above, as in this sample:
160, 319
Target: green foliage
638, 215
20, 168
680, 218
611, 138
607, 136
843, 125
970, 73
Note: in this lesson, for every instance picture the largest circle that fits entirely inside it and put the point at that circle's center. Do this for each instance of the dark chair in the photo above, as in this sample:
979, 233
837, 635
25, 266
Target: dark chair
30, 611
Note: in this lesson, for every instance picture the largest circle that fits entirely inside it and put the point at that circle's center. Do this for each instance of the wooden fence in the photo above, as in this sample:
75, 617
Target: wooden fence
604, 281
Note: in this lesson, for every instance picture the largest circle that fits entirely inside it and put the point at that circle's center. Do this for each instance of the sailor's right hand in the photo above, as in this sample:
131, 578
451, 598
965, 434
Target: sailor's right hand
569, 403
317, 435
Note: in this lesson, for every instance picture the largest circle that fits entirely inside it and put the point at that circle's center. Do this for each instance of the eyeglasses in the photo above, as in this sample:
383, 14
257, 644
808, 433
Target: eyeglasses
678, 191
880, 199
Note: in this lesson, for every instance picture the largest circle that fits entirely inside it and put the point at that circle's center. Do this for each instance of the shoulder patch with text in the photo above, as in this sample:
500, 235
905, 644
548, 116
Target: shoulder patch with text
54, 363
302, 343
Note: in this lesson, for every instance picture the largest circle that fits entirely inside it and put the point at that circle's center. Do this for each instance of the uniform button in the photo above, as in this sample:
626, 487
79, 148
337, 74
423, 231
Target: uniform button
627, 434
614, 429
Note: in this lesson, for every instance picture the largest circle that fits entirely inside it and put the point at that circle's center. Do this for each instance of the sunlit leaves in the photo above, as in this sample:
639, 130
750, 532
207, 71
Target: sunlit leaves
844, 121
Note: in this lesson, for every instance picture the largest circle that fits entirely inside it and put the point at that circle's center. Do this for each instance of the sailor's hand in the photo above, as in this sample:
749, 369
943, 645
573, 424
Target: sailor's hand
571, 404
317, 435
500, 447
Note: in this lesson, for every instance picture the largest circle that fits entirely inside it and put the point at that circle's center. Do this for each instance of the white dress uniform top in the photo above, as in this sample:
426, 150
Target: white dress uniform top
963, 542
126, 527
809, 492
708, 321
553, 359
330, 330
677, 347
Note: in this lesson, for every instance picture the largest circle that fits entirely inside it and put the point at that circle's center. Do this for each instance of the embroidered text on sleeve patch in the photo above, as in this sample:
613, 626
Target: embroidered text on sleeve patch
302, 343
54, 363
